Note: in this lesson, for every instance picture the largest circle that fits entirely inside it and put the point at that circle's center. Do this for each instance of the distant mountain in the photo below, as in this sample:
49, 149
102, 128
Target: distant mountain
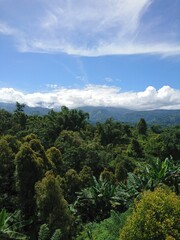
101, 114
10, 107
162, 117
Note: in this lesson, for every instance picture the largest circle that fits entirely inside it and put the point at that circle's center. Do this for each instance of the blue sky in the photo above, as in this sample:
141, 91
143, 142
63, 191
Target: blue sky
120, 53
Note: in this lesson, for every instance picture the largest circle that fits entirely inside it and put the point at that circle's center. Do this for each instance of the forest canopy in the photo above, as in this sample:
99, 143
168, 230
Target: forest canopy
62, 177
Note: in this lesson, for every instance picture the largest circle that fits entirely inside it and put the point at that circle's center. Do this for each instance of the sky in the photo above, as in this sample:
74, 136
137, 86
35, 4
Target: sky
118, 53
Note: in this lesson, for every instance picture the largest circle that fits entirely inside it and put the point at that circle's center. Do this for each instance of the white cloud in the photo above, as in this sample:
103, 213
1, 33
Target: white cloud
6, 29
96, 95
91, 28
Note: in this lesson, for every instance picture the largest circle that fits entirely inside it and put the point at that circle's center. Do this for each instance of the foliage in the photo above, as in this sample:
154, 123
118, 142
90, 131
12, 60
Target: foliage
5, 122
29, 169
135, 150
57, 235
106, 229
7, 168
86, 176
60, 170
96, 201
155, 216
55, 158
44, 233
122, 168
72, 185
159, 172
51, 205
142, 126
8, 228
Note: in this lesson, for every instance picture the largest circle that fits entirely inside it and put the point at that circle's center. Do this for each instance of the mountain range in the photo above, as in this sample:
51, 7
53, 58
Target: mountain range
101, 114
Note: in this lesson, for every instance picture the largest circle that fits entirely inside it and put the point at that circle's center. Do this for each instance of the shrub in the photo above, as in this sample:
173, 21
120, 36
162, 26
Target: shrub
155, 216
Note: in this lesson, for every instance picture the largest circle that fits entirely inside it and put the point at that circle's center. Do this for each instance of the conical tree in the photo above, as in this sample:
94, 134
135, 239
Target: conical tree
142, 126
51, 205
28, 172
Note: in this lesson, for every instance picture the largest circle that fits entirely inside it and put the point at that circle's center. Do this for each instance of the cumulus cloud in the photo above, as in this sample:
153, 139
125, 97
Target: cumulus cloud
96, 95
91, 28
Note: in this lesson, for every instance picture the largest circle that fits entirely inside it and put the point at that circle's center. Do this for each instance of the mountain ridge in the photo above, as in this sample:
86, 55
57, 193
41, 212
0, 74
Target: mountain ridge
101, 114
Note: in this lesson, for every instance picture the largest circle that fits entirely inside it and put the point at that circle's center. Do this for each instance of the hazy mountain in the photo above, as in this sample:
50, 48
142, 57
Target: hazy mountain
10, 107
100, 114
163, 117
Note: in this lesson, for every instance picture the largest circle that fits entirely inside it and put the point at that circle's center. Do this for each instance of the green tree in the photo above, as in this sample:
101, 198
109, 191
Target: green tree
51, 205
122, 168
110, 132
7, 169
6, 122
73, 119
108, 176
73, 185
171, 138
19, 118
134, 149
29, 169
55, 157
155, 216
19, 107
142, 126
156, 147
86, 176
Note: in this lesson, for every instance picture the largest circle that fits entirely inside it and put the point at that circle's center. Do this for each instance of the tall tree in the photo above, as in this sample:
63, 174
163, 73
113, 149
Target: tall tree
142, 126
28, 172
7, 168
51, 205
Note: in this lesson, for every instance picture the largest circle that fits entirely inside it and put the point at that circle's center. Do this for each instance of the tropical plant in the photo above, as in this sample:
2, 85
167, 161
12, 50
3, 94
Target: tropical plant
96, 201
107, 229
158, 172
8, 228
43, 233
57, 235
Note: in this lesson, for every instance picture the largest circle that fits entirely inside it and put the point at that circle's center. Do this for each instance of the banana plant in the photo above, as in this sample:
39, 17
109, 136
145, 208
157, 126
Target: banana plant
7, 227
96, 201
162, 172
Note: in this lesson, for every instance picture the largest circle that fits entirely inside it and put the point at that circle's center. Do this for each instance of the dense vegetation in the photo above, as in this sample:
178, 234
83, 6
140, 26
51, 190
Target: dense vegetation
64, 178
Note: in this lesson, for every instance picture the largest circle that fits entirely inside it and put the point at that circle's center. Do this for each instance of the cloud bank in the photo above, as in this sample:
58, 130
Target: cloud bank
96, 95
92, 28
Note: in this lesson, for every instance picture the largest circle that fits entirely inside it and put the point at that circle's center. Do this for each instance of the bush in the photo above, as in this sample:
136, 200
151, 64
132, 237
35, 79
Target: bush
155, 216
107, 229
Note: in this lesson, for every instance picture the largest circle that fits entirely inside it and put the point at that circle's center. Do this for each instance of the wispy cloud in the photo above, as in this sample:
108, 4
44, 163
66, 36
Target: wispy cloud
96, 95
5, 29
92, 28
52, 86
